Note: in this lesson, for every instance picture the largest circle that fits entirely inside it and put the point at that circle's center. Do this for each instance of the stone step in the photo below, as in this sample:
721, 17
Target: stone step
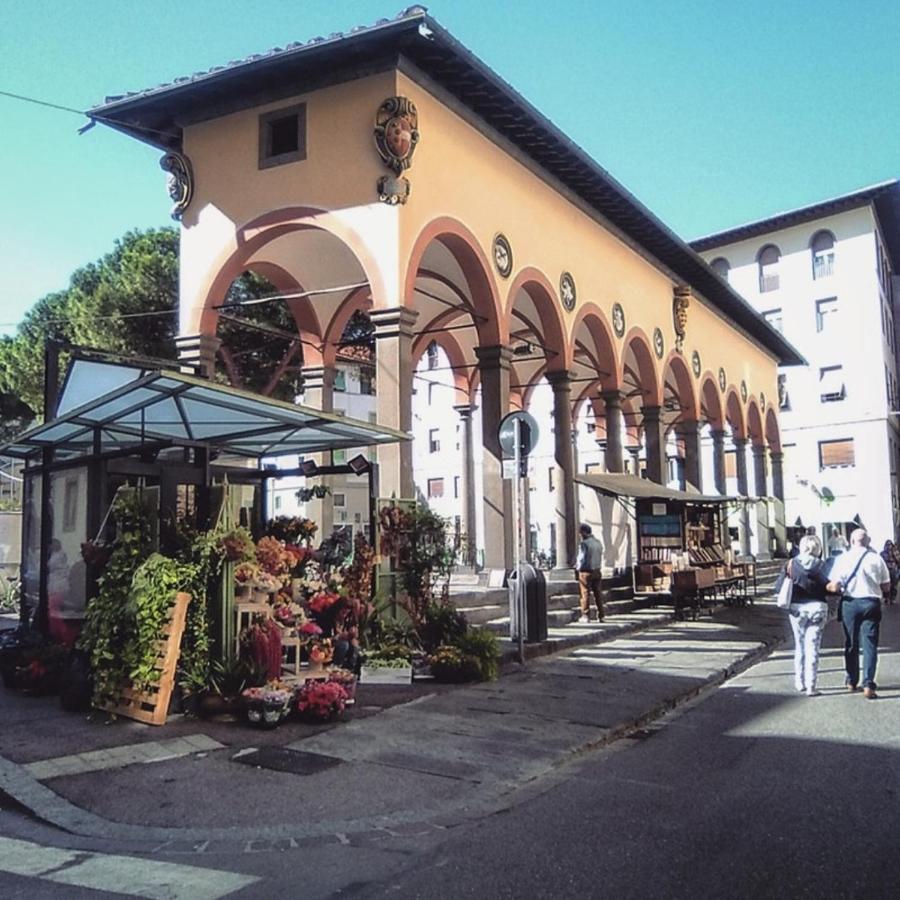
562, 616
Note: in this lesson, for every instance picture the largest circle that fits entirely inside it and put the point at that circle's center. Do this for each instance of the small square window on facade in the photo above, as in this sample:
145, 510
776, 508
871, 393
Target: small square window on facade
339, 457
435, 487
774, 318
551, 478
340, 380
434, 440
340, 500
831, 384
834, 454
282, 136
366, 382
826, 310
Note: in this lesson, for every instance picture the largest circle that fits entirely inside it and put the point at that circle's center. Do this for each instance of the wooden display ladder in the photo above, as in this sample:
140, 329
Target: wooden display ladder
152, 705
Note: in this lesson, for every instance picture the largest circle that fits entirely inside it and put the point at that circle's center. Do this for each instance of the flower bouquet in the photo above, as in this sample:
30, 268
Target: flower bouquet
292, 529
96, 553
245, 574
237, 545
321, 701
450, 664
267, 706
321, 652
272, 556
264, 585
346, 679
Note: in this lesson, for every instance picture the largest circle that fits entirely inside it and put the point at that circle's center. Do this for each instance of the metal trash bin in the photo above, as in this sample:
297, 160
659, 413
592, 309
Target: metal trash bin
534, 588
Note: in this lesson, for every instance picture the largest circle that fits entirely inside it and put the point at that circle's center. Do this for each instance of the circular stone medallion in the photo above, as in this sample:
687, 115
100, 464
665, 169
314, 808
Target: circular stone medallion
722, 379
567, 291
659, 343
744, 391
618, 319
695, 363
503, 257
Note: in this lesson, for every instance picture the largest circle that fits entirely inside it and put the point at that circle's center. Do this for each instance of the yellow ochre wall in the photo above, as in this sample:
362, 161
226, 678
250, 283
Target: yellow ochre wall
456, 172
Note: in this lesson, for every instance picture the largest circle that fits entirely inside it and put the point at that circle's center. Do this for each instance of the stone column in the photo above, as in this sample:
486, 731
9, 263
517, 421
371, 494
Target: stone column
318, 393
776, 460
198, 353
614, 458
718, 439
740, 465
394, 378
467, 476
654, 442
689, 432
635, 453
566, 510
759, 470
499, 527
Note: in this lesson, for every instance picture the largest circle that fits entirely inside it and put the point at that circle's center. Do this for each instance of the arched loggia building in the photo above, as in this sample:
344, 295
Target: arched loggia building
387, 171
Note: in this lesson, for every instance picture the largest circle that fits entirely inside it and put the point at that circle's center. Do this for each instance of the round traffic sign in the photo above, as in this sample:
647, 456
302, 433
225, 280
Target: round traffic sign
528, 433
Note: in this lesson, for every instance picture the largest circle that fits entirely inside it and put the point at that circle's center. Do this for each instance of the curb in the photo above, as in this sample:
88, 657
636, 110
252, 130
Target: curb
23, 790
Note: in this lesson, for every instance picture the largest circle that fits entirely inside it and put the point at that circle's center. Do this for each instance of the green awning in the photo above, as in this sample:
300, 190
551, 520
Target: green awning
615, 484
123, 406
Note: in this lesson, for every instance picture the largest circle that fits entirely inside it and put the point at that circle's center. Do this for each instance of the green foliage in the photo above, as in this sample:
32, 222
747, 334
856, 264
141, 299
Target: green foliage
140, 275
443, 624
482, 648
96, 310
108, 618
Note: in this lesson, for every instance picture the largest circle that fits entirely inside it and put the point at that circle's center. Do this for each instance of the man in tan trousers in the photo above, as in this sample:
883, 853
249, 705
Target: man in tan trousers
589, 566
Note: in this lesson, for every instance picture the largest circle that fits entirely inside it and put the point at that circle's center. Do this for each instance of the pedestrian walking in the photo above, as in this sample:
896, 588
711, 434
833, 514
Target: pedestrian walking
589, 567
863, 577
808, 611
889, 555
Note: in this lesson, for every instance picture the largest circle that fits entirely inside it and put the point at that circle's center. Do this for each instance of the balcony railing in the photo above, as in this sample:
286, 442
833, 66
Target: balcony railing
823, 267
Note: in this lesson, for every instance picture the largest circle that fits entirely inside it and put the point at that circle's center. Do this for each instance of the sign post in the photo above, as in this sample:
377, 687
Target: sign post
518, 435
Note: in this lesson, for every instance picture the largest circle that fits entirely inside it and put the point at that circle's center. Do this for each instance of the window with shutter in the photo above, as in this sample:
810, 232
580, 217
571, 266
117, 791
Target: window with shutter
836, 453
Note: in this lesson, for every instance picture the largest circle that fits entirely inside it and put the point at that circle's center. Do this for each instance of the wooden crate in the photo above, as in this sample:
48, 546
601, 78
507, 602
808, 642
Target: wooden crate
691, 579
152, 706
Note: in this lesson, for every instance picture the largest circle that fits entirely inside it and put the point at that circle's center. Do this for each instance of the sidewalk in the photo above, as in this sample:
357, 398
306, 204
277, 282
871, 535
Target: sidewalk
437, 758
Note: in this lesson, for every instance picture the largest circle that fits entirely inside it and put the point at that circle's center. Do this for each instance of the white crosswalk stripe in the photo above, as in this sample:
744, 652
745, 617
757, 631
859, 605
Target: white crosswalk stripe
130, 875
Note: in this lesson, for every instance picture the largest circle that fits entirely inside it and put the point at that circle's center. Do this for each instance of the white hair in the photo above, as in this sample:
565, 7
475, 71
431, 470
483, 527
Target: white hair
810, 545
860, 537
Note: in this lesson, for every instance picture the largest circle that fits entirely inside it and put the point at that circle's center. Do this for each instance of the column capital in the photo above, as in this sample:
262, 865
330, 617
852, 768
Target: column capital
559, 380
198, 351
688, 427
465, 410
398, 320
759, 450
494, 357
718, 435
612, 397
651, 413
739, 442
318, 376
776, 455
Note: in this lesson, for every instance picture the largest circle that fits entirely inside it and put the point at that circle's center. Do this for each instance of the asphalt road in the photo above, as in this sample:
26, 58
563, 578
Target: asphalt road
753, 791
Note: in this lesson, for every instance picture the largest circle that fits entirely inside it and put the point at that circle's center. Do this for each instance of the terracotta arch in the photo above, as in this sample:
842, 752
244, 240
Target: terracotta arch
773, 432
254, 235
734, 413
637, 341
476, 270
302, 310
592, 317
684, 387
754, 423
534, 283
358, 300
711, 397
455, 355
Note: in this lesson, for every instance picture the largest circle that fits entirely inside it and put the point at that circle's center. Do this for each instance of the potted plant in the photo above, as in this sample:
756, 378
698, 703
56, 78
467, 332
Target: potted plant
321, 701
264, 585
245, 574
390, 665
266, 706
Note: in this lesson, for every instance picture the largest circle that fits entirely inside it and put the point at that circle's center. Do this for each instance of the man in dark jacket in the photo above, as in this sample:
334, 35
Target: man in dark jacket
589, 566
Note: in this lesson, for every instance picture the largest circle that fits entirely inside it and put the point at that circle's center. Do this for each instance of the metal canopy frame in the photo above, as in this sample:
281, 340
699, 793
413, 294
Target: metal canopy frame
142, 407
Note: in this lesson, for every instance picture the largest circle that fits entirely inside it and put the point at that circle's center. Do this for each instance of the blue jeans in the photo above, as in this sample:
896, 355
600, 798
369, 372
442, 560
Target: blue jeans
861, 618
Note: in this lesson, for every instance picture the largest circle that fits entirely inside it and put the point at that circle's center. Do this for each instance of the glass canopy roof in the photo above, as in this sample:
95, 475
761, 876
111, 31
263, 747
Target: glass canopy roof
106, 406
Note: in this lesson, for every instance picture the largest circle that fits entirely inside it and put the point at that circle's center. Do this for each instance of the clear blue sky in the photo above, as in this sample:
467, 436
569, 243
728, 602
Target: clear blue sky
712, 113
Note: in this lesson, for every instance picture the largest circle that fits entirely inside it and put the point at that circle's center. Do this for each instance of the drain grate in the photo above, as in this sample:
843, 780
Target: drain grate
294, 762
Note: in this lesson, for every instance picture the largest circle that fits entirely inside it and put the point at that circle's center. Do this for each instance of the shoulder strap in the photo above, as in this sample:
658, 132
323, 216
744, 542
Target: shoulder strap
856, 567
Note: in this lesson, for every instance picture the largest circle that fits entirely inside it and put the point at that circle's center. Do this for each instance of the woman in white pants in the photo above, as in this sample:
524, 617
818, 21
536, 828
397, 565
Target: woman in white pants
808, 612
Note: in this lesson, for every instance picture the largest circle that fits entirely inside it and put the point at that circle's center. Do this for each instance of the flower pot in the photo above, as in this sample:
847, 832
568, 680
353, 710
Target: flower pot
260, 596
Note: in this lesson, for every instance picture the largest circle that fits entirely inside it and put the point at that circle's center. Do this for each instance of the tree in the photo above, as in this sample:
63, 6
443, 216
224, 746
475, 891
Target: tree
126, 303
